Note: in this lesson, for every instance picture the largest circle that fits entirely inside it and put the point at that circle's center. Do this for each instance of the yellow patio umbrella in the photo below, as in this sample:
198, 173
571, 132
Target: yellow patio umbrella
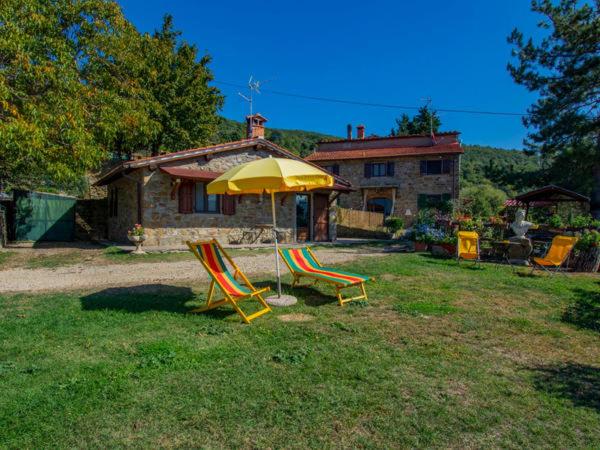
268, 176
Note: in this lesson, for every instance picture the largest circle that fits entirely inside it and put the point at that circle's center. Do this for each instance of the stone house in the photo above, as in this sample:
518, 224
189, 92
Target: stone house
395, 175
167, 195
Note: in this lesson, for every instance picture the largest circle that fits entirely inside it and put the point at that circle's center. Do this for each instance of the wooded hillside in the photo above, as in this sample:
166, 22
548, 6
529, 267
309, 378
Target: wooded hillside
513, 171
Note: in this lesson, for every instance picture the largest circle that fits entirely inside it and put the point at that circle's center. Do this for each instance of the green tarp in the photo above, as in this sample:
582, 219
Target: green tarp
43, 217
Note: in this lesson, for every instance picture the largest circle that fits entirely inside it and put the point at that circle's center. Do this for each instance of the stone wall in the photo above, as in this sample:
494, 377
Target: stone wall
127, 207
407, 183
165, 226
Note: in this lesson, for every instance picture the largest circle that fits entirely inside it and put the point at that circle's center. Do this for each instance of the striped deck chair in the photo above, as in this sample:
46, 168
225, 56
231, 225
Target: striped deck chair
211, 255
303, 263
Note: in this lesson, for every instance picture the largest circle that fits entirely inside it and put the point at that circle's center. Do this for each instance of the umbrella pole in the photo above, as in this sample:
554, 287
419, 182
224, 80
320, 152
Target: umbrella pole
276, 244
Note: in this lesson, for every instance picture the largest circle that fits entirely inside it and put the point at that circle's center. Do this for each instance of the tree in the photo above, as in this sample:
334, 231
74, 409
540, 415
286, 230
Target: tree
185, 105
423, 122
44, 134
481, 201
564, 68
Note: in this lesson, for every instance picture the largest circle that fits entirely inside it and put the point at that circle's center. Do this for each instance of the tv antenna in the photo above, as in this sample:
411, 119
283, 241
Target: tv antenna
253, 87
428, 106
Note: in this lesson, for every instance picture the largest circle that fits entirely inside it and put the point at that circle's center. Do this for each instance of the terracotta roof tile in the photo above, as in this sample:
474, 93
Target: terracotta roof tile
385, 152
376, 138
191, 174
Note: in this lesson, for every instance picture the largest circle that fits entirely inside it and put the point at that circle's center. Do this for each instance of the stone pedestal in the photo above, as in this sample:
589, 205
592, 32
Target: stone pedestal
519, 250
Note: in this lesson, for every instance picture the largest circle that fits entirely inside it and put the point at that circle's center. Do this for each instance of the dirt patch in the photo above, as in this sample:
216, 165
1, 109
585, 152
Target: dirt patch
299, 317
86, 275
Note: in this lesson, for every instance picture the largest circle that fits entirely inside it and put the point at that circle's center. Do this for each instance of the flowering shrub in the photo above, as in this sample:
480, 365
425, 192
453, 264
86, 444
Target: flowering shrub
137, 230
428, 234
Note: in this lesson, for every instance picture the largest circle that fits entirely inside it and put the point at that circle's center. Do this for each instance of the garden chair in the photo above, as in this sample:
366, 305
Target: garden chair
467, 246
210, 254
557, 257
303, 263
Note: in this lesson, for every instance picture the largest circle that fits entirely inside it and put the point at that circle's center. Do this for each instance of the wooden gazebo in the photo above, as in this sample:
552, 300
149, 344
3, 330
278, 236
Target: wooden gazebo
547, 196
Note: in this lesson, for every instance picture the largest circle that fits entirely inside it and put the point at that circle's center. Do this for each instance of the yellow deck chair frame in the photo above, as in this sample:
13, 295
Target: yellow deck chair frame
302, 262
557, 255
210, 253
467, 246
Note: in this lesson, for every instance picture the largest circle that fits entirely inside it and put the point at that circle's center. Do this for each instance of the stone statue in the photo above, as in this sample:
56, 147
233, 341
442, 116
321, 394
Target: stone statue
520, 226
520, 247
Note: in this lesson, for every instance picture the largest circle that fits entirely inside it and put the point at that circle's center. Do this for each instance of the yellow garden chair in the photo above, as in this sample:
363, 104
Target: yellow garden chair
303, 263
557, 256
467, 246
210, 254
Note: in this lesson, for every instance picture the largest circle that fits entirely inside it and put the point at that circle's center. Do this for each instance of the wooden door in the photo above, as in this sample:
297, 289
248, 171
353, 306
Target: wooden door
321, 217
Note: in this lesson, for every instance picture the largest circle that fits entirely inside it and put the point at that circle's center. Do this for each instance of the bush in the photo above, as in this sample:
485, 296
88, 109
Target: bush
555, 221
394, 224
582, 221
482, 201
588, 240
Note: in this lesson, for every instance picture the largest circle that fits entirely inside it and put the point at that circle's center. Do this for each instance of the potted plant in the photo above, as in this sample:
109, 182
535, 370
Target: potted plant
137, 236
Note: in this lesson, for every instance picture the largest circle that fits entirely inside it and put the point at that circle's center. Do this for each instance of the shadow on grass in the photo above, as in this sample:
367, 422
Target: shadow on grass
308, 294
142, 298
576, 382
585, 311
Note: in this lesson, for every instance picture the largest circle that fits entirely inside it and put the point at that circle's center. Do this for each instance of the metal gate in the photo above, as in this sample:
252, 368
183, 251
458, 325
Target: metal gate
43, 217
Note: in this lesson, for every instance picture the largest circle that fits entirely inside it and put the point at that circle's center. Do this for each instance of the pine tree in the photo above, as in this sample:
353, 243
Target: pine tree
186, 106
422, 123
564, 68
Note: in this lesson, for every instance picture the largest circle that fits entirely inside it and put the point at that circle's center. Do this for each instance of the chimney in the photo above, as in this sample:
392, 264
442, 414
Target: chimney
255, 126
349, 130
360, 131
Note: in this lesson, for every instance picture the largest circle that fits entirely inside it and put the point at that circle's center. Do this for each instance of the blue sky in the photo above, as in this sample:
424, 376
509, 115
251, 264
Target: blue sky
392, 52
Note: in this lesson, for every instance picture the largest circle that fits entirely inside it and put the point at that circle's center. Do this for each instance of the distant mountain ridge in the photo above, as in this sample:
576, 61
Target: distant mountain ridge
513, 171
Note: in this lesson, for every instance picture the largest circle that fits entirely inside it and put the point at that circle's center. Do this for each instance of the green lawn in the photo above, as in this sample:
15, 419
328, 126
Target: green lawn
440, 356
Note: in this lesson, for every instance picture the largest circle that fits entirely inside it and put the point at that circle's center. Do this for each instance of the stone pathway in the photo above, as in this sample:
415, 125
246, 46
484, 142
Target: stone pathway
83, 276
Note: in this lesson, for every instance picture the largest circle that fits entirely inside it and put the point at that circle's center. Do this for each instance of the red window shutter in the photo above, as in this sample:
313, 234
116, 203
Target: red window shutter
186, 198
228, 205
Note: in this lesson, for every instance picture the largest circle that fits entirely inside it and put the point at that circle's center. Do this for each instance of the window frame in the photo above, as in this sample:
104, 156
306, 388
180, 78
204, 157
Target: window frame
333, 168
194, 194
432, 200
445, 166
382, 172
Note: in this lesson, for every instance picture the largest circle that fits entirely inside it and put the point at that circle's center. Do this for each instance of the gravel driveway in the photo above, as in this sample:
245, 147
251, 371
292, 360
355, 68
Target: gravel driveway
83, 276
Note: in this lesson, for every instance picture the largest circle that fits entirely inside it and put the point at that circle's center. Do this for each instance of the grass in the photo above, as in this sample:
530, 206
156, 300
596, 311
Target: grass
440, 356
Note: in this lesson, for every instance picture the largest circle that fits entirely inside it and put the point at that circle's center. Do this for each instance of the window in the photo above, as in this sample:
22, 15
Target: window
380, 204
379, 169
113, 202
432, 200
193, 198
436, 167
334, 169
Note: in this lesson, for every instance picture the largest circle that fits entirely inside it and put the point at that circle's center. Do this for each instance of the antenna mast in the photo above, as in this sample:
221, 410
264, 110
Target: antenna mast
253, 86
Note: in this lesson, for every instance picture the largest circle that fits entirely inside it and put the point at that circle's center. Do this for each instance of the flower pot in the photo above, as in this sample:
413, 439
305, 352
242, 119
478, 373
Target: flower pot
138, 241
420, 246
445, 250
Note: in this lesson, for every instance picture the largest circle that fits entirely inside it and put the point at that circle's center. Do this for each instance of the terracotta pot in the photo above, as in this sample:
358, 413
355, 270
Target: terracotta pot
420, 246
